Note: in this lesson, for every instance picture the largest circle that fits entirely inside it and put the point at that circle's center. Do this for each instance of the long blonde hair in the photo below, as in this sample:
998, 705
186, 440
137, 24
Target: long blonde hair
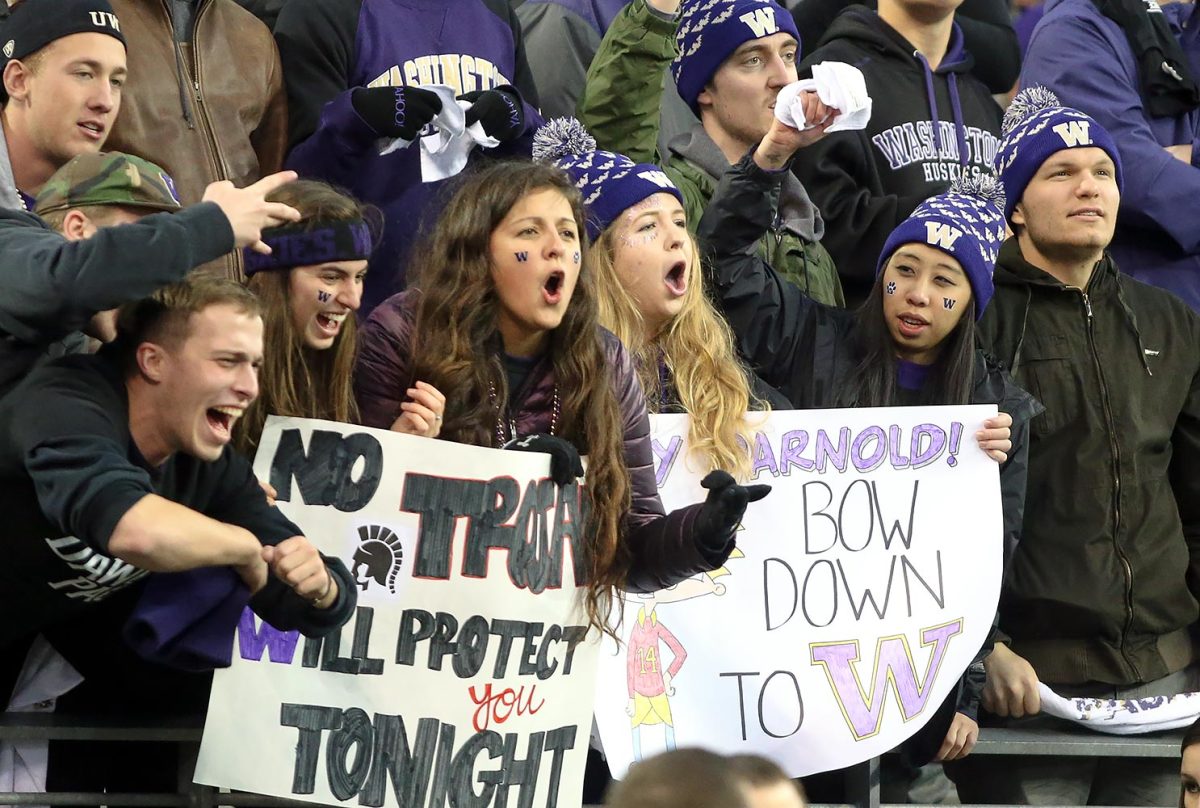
698, 349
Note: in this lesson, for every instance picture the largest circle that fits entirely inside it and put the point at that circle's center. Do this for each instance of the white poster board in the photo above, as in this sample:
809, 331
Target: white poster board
867, 582
467, 673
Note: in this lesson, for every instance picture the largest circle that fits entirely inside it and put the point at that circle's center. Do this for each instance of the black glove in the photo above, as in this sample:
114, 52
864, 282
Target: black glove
396, 111
565, 465
723, 509
499, 111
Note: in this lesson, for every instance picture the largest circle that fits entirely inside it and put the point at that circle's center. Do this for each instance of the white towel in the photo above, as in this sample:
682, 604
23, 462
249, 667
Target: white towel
1124, 716
445, 150
838, 85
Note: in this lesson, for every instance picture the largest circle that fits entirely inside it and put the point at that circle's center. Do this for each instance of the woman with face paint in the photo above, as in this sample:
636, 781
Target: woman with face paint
311, 286
503, 320
650, 293
912, 342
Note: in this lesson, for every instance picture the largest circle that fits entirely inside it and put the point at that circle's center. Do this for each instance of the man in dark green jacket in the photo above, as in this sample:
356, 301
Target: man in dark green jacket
1101, 596
729, 58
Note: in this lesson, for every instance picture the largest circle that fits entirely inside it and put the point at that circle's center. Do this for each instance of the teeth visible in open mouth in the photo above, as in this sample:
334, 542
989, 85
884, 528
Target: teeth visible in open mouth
911, 321
329, 319
225, 417
92, 127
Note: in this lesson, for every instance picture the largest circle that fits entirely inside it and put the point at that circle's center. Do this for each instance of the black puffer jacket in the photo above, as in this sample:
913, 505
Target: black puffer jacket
807, 351
1104, 586
665, 547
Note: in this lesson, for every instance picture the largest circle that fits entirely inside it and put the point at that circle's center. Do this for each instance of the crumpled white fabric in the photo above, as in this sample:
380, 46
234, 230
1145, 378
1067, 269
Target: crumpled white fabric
1124, 716
838, 85
444, 151
44, 677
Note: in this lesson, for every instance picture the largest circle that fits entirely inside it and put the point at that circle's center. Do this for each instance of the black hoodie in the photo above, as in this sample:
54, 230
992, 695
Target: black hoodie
926, 127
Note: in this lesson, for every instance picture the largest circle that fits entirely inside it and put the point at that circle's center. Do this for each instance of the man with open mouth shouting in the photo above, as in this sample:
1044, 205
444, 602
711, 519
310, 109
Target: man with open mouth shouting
117, 465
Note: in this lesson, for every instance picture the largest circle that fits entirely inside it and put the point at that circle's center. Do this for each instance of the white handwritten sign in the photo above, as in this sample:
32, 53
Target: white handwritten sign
864, 585
466, 675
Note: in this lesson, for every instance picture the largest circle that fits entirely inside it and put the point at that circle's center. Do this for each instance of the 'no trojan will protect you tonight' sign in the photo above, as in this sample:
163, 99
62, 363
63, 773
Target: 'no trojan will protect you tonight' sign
465, 678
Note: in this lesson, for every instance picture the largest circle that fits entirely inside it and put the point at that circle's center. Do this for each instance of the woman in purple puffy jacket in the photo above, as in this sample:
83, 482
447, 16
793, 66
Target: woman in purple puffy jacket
502, 320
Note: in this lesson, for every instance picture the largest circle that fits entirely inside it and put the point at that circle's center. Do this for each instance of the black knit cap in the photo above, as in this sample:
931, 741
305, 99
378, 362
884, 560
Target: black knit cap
34, 24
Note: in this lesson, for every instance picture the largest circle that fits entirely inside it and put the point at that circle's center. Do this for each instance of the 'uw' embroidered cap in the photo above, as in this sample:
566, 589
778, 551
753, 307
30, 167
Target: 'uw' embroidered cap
34, 24
966, 222
609, 182
1036, 126
108, 178
710, 30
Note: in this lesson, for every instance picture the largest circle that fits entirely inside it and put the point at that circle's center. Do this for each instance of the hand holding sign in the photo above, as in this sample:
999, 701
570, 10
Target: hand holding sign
725, 506
565, 464
995, 436
298, 564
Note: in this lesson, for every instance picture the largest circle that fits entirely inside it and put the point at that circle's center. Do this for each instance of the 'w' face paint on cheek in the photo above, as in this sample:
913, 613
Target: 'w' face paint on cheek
890, 288
948, 303
323, 297
522, 257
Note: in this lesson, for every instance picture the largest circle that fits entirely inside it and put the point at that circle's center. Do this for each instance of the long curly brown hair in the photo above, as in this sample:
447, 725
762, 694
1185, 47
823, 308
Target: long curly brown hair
296, 380
457, 349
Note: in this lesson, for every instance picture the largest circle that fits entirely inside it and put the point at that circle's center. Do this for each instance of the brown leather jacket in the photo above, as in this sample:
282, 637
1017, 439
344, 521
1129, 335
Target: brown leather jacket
211, 109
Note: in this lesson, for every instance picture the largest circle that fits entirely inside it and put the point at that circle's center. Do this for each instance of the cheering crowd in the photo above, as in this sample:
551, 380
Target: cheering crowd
529, 225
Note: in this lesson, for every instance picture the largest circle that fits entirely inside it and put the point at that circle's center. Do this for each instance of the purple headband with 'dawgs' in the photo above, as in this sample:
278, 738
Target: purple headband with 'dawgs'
610, 182
312, 242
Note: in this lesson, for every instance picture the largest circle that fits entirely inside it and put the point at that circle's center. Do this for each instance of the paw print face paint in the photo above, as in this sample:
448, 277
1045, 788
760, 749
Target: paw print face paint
575, 256
915, 278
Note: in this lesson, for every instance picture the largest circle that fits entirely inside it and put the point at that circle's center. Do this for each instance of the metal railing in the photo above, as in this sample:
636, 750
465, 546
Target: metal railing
862, 781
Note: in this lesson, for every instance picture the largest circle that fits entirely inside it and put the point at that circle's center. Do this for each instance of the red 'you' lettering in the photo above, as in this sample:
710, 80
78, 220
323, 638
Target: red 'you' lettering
499, 707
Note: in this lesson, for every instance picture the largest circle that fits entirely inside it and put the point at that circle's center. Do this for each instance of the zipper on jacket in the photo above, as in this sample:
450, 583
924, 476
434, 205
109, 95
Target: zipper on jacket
221, 170
1115, 449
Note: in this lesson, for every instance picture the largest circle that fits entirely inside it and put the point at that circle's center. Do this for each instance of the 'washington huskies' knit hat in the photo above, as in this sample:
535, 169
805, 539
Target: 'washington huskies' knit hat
34, 24
108, 178
1036, 126
966, 222
610, 182
710, 30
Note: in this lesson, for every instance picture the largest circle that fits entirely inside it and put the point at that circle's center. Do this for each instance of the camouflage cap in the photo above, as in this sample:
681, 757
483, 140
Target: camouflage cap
108, 178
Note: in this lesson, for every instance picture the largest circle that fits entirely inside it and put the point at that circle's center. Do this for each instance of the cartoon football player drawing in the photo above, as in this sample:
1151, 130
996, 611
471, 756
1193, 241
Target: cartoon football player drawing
648, 677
